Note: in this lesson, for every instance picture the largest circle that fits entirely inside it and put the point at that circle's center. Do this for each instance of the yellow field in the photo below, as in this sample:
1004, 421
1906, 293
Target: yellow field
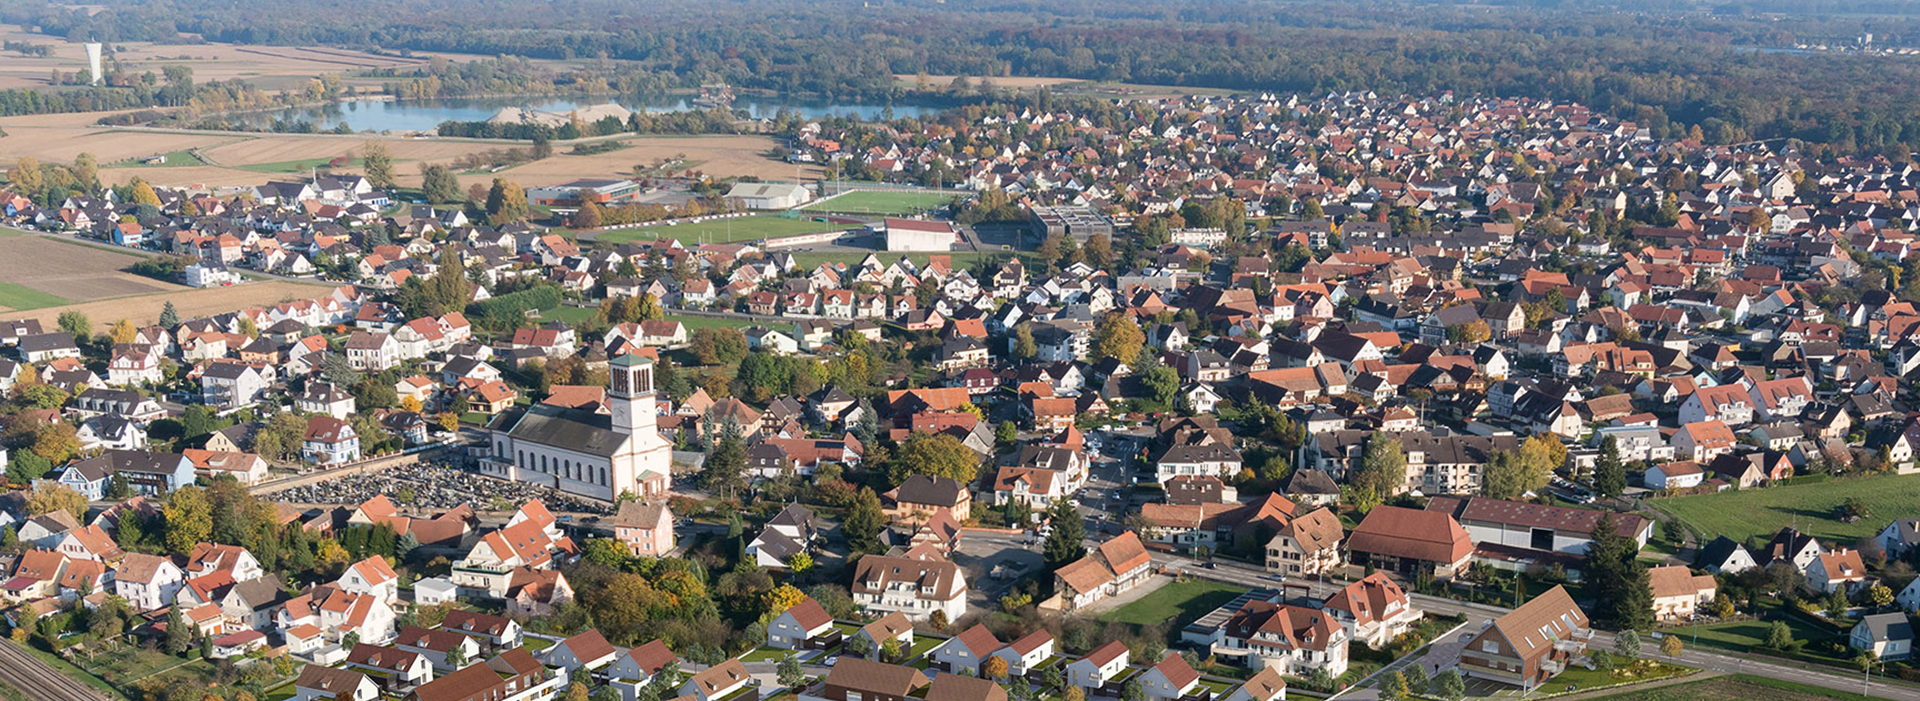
719, 156
189, 302
270, 67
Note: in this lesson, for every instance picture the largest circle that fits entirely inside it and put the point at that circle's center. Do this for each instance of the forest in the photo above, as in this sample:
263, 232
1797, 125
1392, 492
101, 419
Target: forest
1659, 63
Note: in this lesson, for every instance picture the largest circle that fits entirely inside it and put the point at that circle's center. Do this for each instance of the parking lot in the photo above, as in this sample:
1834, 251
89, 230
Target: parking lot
982, 551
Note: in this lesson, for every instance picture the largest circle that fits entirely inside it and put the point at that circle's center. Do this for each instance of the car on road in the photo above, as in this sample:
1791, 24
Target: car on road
830, 661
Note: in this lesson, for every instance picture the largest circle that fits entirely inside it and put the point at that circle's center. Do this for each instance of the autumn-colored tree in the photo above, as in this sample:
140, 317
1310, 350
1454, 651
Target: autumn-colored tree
49, 497
188, 518
377, 164
144, 194
1119, 337
994, 667
122, 331
783, 597
1671, 646
410, 404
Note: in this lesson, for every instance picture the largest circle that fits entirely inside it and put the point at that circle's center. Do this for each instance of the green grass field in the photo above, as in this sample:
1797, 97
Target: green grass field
881, 202
175, 159
21, 298
722, 230
1186, 600
1812, 508
299, 166
961, 259
1737, 687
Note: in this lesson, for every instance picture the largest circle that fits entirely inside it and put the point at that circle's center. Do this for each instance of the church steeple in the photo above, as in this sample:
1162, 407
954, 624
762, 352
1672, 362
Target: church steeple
630, 396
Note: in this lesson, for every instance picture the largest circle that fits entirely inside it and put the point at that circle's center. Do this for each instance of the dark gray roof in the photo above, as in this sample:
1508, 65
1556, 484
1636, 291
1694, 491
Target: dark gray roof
572, 429
1888, 626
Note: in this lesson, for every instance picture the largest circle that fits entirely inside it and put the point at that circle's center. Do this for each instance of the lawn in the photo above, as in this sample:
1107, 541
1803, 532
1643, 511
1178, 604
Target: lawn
1738, 636
882, 202
961, 260
174, 159
1737, 687
1645, 671
766, 654
695, 323
1812, 508
1185, 600
733, 230
20, 298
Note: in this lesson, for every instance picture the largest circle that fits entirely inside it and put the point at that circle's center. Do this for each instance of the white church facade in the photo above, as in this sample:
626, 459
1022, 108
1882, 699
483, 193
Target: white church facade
585, 453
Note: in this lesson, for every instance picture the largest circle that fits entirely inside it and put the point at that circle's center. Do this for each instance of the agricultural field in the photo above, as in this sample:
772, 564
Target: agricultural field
881, 202
270, 67
719, 156
721, 230
45, 277
1811, 507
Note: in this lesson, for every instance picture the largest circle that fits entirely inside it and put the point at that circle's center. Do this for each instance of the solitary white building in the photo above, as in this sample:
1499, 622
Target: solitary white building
919, 235
584, 453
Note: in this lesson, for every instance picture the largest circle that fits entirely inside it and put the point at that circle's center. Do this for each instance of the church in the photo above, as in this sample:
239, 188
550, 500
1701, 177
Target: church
586, 453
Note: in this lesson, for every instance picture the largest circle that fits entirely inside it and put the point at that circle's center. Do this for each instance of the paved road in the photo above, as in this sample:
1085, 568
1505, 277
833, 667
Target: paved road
1245, 575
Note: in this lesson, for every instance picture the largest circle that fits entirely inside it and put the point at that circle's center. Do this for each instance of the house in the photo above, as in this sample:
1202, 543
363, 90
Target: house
637, 666
1888, 636
329, 441
800, 626
918, 583
513, 675
1117, 566
965, 651
1677, 592
791, 532
1307, 545
1837, 571
324, 398
1523, 526
1105, 665
1026, 654
440, 647
1702, 441
920, 496
317, 683
1172, 680
373, 577
246, 468
208, 558
1530, 644
1410, 541
1374, 610
1725, 556
146, 473
401, 670
891, 629
1792, 548
1899, 537
717, 681
588, 650
646, 526
1265, 685
147, 582
954, 687
1292, 639
1681, 474
855, 679
493, 632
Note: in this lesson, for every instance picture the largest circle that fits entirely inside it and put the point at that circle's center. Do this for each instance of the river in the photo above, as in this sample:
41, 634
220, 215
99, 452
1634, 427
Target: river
426, 115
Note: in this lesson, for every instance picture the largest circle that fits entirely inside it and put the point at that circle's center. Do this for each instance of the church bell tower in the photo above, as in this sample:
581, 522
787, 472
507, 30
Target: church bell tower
630, 399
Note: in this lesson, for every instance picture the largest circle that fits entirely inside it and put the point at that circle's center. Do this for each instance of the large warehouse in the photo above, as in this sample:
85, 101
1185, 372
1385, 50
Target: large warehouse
919, 235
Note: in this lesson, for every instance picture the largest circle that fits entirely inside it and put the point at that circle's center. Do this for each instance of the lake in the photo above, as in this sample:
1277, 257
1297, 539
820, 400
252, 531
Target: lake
426, 115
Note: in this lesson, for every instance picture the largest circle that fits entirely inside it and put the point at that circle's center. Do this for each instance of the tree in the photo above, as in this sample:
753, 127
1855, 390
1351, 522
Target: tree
934, 455
1505, 476
1609, 473
189, 519
169, 317
799, 563
77, 324
1133, 690
1416, 676
1074, 693
578, 692
1623, 596
1383, 465
438, 184
726, 465
457, 657
506, 202
1024, 347
1671, 646
1393, 687
117, 487
1780, 637
377, 164
1118, 337
122, 331
938, 620
587, 216
144, 194
718, 346
49, 497
1065, 543
1162, 384
1626, 644
994, 667
789, 672
179, 634
1449, 685
864, 523
783, 597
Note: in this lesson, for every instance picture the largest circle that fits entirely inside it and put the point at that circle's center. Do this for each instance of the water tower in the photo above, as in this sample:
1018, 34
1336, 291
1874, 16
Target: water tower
93, 62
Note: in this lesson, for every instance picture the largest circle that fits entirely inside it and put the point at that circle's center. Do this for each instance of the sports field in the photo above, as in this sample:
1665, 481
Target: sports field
1812, 508
722, 230
881, 202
